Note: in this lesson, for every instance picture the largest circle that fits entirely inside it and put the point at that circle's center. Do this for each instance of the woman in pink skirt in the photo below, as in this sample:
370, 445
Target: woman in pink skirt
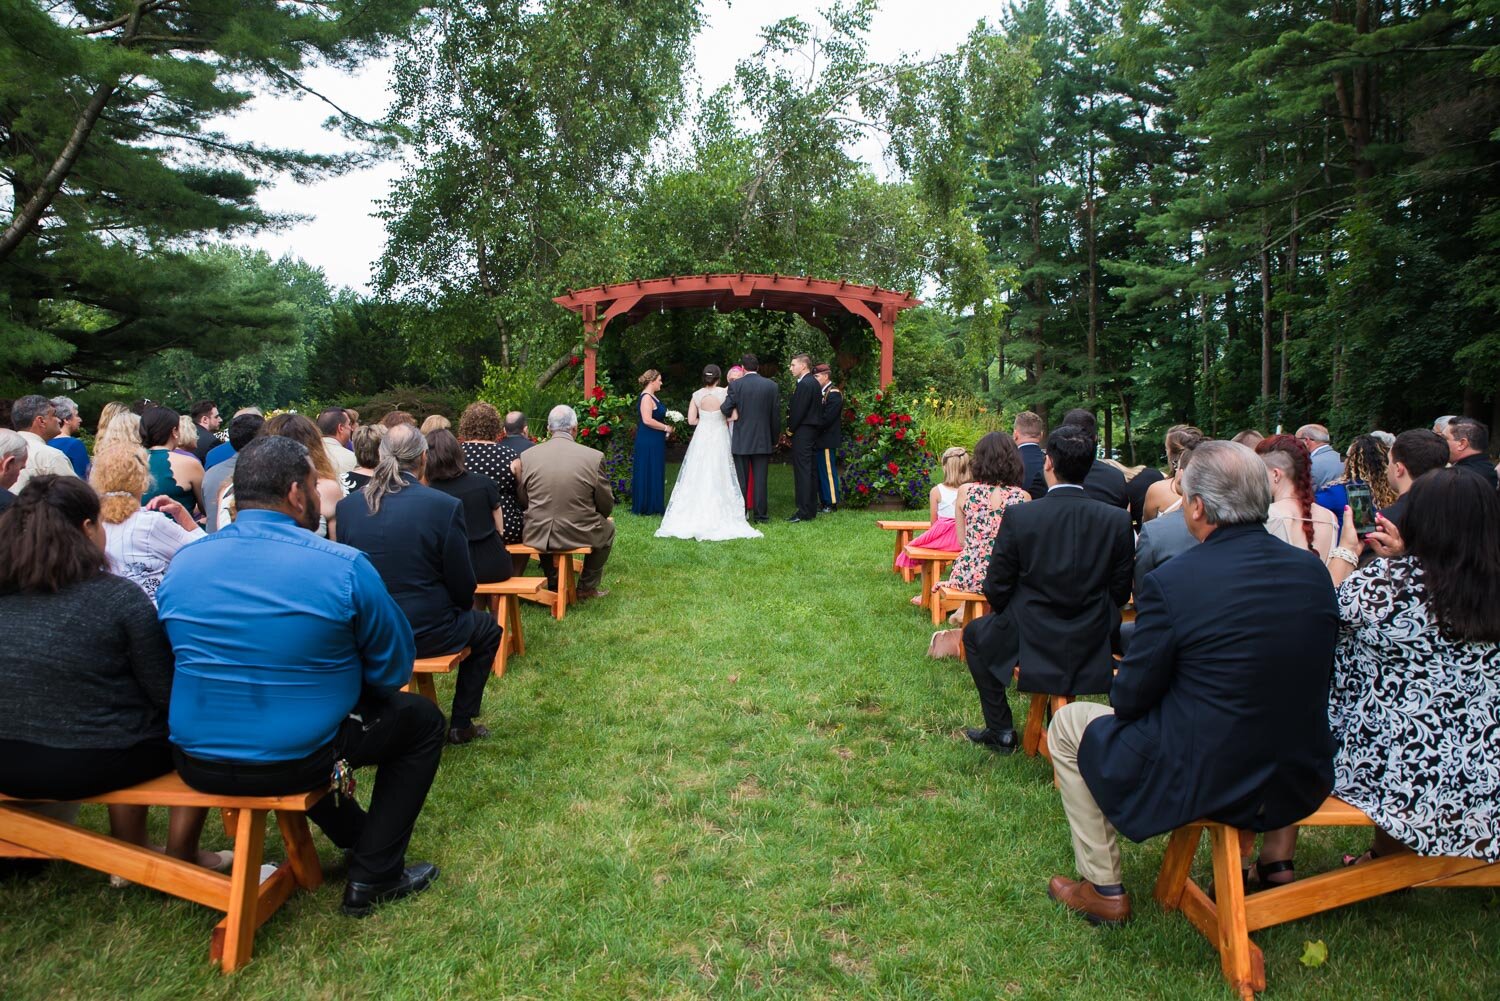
940, 509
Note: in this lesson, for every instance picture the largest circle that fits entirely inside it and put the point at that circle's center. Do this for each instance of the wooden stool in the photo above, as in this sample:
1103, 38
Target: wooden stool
423, 668
1228, 920
245, 899
1043, 708
933, 561
505, 604
569, 565
904, 531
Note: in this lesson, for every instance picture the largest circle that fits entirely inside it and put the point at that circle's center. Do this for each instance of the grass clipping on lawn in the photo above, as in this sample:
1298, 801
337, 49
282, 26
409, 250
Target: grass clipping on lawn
737, 776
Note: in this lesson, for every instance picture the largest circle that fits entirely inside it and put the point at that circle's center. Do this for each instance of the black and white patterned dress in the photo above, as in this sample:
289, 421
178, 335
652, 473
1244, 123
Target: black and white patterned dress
491, 459
1417, 716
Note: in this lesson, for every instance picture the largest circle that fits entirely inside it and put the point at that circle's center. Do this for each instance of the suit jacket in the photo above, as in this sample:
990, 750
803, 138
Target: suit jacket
1034, 481
830, 432
1107, 484
1061, 566
6, 498
1221, 706
420, 545
1326, 467
566, 495
758, 400
1161, 538
806, 416
1480, 467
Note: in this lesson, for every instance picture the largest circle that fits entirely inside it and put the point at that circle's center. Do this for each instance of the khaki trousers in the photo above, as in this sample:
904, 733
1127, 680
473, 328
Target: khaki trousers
1095, 845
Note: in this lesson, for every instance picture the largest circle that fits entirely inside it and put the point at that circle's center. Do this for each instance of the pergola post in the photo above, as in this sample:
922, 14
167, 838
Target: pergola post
591, 334
885, 332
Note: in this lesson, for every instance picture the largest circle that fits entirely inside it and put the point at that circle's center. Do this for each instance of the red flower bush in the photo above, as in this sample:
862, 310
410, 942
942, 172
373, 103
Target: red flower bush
604, 429
885, 454
901, 434
593, 411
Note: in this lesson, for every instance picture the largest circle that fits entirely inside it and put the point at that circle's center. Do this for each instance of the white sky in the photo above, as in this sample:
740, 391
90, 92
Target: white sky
341, 235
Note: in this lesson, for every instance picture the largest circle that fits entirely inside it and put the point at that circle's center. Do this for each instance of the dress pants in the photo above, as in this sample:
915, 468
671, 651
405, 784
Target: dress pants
593, 569
752, 473
829, 490
1096, 848
403, 736
479, 632
804, 458
991, 646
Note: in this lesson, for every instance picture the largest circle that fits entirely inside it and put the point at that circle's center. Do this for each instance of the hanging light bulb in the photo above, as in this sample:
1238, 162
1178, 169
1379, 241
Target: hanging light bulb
815, 312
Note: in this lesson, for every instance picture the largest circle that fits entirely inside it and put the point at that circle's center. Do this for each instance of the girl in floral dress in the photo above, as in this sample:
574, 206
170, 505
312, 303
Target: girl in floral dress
997, 470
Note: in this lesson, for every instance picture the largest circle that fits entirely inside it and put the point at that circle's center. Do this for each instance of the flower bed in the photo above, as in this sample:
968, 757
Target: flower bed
606, 421
884, 453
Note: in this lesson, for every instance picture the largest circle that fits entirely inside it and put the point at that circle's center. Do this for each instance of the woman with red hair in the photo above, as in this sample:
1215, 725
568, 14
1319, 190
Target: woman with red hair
1293, 517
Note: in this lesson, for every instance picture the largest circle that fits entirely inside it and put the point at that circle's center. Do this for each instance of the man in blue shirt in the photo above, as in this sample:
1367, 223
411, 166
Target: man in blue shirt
302, 673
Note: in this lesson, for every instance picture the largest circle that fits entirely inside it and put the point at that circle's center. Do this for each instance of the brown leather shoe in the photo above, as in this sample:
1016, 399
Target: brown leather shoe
589, 595
1080, 896
465, 734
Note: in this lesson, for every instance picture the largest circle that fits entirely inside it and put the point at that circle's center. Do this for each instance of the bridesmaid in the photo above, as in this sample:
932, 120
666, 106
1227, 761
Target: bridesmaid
648, 491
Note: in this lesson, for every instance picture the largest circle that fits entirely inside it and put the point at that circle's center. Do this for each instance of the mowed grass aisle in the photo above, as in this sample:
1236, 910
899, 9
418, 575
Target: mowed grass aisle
736, 776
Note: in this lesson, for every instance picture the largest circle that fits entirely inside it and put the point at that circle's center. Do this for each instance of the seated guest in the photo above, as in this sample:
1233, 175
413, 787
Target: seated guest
996, 484
301, 682
567, 498
1058, 576
479, 432
436, 422
330, 490
334, 426
1220, 707
942, 501
1468, 441
1293, 516
1326, 464
85, 670
36, 419
1028, 432
1163, 496
517, 437
417, 540
396, 417
1249, 438
1166, 535
483, 516
205, 437
107, 413
66, 442
1104, 483
123, 429
242, 430
173, 474
187, 432
366, 442
1414, 453
139, 541
1364, 465
1415, 704
12, 461
222, 451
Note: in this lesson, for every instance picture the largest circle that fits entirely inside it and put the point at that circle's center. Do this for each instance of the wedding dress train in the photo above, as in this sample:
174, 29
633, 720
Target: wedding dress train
706, 502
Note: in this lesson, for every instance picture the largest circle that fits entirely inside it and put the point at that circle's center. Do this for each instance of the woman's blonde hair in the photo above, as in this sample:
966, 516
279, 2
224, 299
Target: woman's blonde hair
187, 432
122, 429
121, 476
648, 376
112, 409
436, 422
956, 466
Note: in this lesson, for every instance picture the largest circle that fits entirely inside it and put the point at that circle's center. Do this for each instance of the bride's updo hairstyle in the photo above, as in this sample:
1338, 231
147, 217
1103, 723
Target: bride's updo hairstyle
648, 377
711, 375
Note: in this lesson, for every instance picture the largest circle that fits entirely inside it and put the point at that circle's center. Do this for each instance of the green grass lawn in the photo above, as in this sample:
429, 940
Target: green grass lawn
736, 776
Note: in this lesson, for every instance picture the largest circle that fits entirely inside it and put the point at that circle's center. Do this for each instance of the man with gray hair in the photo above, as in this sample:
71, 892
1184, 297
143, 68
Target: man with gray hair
66, 442
36, 419
567, 497
1326, 464
1220, 708
12, 461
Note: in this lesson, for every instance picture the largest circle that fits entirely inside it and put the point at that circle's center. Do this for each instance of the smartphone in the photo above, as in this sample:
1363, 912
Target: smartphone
1363, 507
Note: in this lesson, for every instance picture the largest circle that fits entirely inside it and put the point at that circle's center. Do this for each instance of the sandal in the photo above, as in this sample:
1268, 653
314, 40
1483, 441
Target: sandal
1368, 856
1264, 869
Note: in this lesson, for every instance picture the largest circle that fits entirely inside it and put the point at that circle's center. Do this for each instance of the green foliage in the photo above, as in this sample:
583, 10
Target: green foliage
885, 452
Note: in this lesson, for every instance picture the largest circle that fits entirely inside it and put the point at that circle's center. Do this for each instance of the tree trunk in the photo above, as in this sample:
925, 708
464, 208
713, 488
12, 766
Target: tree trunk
1093, 256
1286, 313
562, 362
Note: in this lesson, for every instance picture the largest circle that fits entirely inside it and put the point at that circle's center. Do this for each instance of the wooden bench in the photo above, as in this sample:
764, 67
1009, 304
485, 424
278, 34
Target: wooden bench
974, 605
1228, 921
933, 561
245, 899
569, 565
904, 531
505, 603
423, 668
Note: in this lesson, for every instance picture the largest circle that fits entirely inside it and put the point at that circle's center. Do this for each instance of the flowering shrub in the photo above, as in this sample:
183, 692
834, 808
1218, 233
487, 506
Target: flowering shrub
606, 421
884, 453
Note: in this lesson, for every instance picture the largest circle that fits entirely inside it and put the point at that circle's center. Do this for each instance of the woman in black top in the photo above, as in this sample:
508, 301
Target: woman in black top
74, 628
481, 500
479, 432
366, 442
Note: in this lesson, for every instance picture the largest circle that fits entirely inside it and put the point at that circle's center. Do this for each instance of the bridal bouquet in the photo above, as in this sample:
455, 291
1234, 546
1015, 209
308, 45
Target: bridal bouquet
675, 416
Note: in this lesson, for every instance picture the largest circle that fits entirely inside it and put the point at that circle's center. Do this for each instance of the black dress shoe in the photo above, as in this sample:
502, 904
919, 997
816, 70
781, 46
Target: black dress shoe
825, 510
361, 898
464, 734
796, 518
1003, 742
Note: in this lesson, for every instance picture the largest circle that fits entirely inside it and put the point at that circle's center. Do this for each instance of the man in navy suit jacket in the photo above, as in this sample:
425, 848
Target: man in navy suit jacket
418, 543
1028, 433
1220, 710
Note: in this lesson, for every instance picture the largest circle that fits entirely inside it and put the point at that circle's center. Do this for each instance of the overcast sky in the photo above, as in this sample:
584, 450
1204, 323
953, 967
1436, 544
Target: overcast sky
342, 237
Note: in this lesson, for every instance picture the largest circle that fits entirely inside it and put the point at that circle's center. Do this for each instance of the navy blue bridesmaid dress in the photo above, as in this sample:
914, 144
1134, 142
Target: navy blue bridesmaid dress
648, 487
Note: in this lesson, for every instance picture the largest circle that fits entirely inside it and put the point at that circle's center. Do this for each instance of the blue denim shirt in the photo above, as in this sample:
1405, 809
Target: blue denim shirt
275, 632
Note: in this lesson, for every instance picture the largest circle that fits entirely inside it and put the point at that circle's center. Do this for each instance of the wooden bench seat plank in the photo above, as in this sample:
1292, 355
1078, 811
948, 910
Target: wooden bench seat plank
170, 790
569, 566
904, 531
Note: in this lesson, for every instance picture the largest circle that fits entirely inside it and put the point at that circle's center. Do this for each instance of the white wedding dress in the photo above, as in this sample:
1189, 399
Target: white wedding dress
706, 503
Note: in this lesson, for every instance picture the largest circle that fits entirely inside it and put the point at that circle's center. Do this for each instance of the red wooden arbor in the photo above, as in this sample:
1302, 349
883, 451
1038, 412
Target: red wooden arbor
817, 301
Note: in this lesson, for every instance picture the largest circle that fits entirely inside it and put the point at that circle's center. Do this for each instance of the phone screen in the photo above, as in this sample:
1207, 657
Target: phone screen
1363, 508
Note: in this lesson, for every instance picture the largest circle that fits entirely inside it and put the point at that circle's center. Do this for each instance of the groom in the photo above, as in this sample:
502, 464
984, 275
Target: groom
755, 431
806, 425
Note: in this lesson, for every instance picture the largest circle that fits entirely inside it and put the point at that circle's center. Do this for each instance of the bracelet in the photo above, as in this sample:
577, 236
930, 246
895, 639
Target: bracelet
1345, 554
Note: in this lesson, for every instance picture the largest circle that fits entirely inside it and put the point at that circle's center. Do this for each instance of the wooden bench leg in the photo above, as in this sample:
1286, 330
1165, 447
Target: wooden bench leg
425, 686
517, 639
566, 589
1176, 865
1031, 737
228, 818
502, 603
301, 854
1229, 900
244, 889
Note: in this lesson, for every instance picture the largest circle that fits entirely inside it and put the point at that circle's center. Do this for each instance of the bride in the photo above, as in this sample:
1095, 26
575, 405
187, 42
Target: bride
706, 503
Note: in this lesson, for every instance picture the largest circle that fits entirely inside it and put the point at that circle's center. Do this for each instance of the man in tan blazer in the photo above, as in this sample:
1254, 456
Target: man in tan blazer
567, 499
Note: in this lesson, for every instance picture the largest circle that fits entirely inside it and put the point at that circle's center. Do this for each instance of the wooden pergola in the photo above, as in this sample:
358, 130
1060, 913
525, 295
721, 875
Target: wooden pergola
820, 302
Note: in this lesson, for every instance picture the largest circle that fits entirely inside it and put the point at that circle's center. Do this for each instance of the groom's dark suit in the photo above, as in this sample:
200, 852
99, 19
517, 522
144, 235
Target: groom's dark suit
758, 401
